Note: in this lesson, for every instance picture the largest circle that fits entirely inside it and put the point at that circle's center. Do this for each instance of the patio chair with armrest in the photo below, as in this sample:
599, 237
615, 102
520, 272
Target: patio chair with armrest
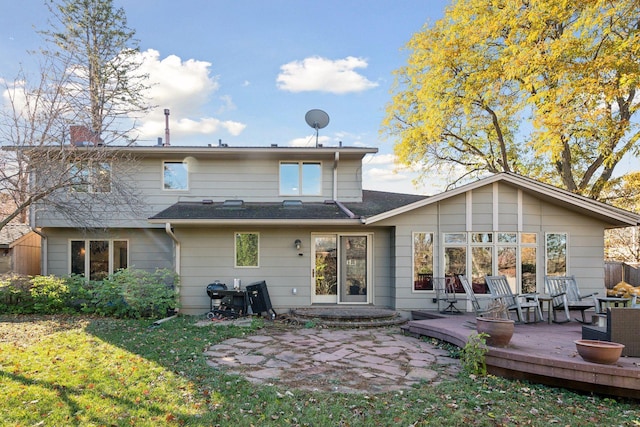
500, 290
468, 289
566, 296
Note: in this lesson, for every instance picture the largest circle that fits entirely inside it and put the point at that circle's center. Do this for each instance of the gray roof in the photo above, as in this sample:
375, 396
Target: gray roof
12, 232
374, 202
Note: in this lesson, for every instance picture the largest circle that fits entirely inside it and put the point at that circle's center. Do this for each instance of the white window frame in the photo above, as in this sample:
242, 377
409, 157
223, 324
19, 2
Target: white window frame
455, 239
87, 259
301, 178
568, 248
413, 260
235, 249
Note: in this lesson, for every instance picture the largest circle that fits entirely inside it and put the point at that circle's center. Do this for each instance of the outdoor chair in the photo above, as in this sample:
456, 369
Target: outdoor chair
621, 327
468, 289
500, 290
446, 291
566, 296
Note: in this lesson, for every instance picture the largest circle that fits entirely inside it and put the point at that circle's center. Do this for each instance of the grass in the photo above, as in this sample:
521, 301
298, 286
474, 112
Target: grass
65, 371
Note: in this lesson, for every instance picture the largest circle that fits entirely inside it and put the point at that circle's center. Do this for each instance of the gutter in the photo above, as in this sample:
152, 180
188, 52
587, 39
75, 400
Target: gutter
257, 222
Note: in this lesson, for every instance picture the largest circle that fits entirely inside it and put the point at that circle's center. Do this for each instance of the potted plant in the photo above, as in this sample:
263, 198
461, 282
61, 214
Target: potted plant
595, 351
495, 322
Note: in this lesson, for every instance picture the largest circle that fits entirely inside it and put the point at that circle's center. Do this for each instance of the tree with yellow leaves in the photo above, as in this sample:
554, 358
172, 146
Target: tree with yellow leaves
543, 88
623, 244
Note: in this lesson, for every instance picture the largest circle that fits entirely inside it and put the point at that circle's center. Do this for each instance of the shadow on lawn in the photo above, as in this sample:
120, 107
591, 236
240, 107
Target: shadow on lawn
176, 347
71, 395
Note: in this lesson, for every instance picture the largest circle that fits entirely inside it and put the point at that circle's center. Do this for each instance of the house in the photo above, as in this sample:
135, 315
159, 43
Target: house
299, 219
19, 250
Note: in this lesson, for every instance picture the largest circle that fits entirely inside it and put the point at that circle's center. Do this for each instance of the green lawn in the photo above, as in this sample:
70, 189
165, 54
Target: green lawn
65, 371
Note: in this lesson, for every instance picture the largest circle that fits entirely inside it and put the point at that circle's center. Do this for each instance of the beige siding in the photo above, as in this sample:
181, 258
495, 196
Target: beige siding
507, 208
586, 257
452, 214
482, 209
586, 245
148, 249
207, 255
251, 179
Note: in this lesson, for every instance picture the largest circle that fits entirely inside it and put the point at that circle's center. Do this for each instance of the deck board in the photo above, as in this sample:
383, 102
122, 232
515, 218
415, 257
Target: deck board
543, 353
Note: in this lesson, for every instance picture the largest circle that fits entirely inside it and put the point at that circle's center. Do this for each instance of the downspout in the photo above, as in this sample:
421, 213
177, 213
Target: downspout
342, 207
336, 159
346, 210
167, 228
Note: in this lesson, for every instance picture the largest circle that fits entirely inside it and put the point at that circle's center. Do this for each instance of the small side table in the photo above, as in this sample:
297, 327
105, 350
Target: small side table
549, 300
604, 302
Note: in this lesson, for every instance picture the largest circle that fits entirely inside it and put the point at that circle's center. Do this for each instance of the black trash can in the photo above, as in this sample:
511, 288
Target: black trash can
259, 299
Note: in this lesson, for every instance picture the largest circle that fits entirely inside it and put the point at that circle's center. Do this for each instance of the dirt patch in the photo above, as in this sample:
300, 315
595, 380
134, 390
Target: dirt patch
28, 330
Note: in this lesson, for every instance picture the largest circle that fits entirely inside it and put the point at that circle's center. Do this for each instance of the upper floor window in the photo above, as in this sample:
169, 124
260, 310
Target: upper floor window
90, 177
300, 178
175, 176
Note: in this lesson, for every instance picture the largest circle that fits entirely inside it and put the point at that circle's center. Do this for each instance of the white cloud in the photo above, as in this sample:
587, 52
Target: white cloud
185, 88
309, 141
380, 159
184, 127
324, 75
382, 173
227, 104
184, 85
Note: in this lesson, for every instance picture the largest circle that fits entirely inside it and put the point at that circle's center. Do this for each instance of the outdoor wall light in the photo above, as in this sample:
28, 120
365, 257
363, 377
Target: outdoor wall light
298, 244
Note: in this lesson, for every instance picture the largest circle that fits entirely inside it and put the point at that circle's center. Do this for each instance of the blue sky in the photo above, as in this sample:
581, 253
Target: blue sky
246, 71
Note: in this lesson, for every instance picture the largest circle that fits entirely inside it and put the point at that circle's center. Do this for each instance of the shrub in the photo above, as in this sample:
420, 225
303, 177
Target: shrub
472, 356
127, 293
136, 293
80, 293
15, 296
50, 294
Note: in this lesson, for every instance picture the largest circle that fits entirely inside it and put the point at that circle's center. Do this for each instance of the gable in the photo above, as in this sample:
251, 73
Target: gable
611, 216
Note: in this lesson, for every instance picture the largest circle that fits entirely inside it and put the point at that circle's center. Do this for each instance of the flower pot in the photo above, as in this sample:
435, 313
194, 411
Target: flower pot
500, 331
595, 351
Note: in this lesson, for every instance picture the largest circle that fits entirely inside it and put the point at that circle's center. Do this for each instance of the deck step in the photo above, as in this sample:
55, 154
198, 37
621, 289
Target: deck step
346, 317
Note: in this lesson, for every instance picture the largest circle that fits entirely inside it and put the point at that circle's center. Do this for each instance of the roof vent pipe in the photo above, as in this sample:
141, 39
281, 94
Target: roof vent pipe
166, 126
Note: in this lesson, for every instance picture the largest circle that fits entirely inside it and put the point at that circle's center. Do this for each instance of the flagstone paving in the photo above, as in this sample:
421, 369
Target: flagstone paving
341, 360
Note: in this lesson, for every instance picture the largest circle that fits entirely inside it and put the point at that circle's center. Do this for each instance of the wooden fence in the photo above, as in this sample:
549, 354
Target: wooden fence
615, 272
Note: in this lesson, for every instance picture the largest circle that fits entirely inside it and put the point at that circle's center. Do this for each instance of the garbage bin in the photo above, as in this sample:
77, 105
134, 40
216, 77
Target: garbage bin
259, 299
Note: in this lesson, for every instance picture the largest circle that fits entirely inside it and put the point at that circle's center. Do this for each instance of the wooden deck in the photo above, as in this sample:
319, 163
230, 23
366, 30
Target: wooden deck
540, 352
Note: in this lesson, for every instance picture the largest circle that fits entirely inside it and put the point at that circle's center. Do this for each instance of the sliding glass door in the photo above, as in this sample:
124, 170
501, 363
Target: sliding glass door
341, 268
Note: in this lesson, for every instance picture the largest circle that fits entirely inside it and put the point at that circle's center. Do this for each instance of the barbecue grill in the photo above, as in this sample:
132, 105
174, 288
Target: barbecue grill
213, 290
226, 303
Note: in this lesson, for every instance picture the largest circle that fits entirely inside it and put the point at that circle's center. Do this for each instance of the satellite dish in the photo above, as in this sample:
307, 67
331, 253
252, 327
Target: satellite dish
317, 119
